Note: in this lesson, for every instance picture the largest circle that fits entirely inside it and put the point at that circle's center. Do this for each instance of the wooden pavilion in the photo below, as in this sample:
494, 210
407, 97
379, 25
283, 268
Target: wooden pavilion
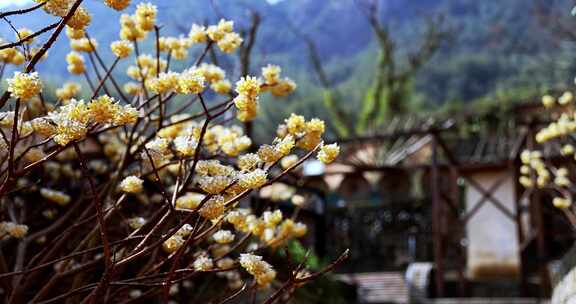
446, 191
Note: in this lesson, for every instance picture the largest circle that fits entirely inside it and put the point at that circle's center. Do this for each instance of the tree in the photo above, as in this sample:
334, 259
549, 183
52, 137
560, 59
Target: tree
391, 89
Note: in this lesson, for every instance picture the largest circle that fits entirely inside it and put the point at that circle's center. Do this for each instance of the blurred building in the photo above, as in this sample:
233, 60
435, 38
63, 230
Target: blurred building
440, 197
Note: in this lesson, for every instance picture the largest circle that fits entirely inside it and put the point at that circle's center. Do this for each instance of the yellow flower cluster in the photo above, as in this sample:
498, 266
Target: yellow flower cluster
136, 222
221, 86
14, 230
132, 88
561, 177
164, 83
231, 141
146, 16
328, 153
272, 153
225, 263
24, 85
135, 27
562, 203
74, 34
68, 91
277, 192
252, 180
289, 229
84, 45
173, 243
186, 145
288, 161
237, 218
75, 63
71, 121
248, 89
223, 236
230, 42
212, 73
130, 30
567, 150
177, 47
11, 55
260, 269
283, 88
214, 167
222, 34
198, 34
43, 126
54, 196
271, 74
203, 263
213, 208
56, 7
565, 99
277, 86
132, 184
270, 227
533, 160
214, 184
103, 109
189, 201
80, 20
122, 48
6, 119
146, 68
565, 125
190, 81
157, 152
248, 161
117, 4
309, 132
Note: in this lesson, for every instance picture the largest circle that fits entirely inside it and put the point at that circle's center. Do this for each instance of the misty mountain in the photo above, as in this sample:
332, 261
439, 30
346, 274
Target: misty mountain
497, 46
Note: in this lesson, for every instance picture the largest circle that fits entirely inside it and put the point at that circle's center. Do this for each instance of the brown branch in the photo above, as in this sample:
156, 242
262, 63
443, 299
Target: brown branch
30, 37
22, 11
102, 286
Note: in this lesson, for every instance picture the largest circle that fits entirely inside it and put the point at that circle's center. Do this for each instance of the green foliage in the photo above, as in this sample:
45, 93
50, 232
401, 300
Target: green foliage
339, 119
324, 289
299, 254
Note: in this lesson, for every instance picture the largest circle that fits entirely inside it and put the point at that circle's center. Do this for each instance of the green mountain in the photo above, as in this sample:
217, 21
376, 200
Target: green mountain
500, 50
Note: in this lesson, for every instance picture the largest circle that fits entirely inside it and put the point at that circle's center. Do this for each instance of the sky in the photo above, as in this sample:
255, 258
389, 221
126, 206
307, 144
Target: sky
6, 3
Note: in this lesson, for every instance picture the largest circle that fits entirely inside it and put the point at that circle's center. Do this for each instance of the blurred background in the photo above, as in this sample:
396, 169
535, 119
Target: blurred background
468, 52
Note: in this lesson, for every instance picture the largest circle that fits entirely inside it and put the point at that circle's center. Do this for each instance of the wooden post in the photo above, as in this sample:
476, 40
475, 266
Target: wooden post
437, 221
455, 191
536, 201
536, 214
520, 232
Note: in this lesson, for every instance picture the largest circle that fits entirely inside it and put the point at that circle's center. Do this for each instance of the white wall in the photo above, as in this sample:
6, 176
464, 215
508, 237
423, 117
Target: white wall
492, 239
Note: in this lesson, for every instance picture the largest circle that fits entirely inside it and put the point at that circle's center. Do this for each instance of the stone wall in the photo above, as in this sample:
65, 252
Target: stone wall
564, 279
565, 291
